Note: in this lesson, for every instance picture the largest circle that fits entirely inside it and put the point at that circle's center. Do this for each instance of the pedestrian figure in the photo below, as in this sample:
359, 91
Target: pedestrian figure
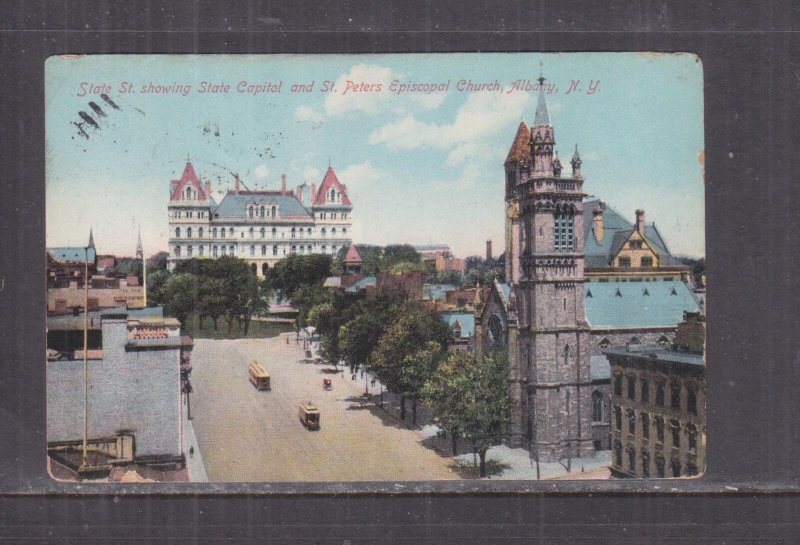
353, 376
191, 451
362, 373
372, 382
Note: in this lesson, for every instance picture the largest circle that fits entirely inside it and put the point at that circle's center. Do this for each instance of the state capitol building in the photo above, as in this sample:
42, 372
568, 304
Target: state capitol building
260, 227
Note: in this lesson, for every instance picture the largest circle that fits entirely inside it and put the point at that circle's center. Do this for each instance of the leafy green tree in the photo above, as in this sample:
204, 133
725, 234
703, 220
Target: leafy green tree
212, 299
470, 399
297, 271
419, 367
398, 253
157, 262
156, 286
409, 331
181, 296
358, 338
407, 267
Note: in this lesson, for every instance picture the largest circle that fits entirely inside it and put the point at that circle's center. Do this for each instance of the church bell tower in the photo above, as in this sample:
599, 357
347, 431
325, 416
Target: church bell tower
548, 338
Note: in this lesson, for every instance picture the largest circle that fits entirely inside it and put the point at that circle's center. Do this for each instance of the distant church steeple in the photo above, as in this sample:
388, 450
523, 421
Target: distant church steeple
139, 249
91, 239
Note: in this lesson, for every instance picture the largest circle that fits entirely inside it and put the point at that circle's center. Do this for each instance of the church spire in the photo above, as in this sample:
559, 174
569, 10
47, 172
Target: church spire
139, 249
543, 138
91, 239
541, 117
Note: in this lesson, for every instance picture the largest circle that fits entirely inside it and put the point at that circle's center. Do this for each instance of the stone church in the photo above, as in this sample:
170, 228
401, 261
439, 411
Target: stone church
579, 280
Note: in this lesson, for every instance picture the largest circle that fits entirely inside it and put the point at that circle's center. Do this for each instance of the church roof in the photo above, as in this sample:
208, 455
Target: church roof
658, 303
352, 255
73, 254
520, 151
234, 204
616, 231
330, 180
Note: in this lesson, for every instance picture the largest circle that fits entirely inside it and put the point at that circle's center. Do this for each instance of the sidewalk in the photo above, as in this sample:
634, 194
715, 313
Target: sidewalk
194, 463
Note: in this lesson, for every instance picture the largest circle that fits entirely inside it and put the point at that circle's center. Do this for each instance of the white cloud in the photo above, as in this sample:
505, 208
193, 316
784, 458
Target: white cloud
261, 171
306, 113
345, 99
589, 156
358, 177
478, 120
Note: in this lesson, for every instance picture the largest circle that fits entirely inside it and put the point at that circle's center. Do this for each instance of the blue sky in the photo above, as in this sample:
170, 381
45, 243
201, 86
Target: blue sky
419, 167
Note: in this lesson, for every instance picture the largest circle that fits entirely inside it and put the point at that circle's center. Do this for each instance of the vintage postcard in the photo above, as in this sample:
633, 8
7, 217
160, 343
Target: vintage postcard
344, 268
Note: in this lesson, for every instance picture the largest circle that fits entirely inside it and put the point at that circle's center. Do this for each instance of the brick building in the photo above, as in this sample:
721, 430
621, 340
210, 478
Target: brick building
261, 227
659, 396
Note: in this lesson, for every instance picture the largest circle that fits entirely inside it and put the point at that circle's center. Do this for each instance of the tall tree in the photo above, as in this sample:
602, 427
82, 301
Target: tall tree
410, 329
181, 295
297, 271
470, 399
358, 338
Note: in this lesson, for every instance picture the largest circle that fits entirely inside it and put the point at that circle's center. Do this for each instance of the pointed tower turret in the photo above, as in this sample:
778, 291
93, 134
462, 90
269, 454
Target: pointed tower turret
542, 137
576, 163
91, 239
518, 160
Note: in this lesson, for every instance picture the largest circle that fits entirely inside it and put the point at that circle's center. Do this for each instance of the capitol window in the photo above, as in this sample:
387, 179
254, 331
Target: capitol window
189, 251
214, 251
262, 211
252, 250
177, 232
251, 232
200, 232
274, 250
200, 249
263, 232
222, 232
224, 251
274, 232
177, 251
263, 250
188, 232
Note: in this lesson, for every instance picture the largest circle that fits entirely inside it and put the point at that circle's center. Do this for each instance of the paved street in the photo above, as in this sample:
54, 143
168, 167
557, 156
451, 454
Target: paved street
250, 435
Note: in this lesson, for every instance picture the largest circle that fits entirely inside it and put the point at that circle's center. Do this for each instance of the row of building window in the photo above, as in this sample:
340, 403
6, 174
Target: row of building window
217, 251
644, 392
189, 214
658, 423
645, 262
294, 232
324, 215
262, 212
676, 467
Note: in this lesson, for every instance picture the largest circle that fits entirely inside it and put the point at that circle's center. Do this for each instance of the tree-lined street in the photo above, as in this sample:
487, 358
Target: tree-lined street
248, 435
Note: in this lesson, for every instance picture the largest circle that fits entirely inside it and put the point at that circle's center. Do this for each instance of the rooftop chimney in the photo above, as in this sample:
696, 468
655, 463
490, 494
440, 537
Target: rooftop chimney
236, 190
488, 250
208, 189
313, 192
597, 222
283, 184
640, 221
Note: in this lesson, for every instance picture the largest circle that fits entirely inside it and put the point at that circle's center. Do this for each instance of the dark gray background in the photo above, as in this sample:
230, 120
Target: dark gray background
750, 54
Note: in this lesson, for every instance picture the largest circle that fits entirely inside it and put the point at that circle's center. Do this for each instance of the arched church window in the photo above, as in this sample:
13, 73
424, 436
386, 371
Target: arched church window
495, 329
597, 406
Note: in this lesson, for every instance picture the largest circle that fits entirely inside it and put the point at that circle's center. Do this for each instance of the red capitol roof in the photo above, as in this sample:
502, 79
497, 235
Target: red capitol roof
352, 255
330, 180
188, 176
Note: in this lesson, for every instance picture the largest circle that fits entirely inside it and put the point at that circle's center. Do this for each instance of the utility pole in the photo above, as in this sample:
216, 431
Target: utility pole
86, 358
